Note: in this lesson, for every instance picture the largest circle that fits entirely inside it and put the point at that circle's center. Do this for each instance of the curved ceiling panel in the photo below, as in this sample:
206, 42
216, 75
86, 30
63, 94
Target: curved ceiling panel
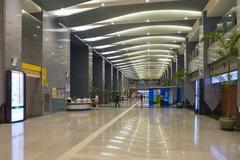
152, 39
138, 37
146, 30
145, 16
154, 16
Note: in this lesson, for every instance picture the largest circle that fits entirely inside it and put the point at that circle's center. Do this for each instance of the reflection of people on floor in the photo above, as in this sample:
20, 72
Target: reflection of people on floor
116, 100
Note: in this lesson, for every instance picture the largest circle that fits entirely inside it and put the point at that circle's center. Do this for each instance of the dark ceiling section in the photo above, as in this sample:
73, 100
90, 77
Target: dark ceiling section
48, 5
119, 27
104, 13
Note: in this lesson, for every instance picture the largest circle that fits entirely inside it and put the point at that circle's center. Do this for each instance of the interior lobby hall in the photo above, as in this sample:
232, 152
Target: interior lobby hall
119, 79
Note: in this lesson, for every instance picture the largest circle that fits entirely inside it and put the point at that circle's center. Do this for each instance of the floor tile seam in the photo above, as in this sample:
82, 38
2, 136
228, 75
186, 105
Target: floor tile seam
75, 149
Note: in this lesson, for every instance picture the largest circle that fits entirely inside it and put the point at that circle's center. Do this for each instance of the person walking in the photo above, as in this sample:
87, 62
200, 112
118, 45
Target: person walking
116, 100
96, 101
141, 97
161, 100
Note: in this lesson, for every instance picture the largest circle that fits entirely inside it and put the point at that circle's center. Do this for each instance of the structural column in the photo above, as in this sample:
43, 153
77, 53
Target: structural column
10, 41
99, 74
169, 72
173, 68
81, 69
180, 62
108, 76
115, 78
119, 80
209, 94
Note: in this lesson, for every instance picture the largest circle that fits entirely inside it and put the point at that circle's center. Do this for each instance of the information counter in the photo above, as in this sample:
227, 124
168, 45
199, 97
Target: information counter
74, 106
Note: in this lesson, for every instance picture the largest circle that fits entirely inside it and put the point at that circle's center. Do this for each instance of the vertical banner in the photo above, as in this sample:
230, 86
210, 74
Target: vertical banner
44, 77
151, 97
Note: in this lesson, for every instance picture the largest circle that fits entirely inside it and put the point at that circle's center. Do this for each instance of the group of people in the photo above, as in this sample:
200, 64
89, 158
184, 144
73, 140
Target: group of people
116, 101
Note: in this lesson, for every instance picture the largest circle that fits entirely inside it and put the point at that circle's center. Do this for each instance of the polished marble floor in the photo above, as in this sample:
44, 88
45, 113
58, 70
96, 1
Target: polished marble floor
138, 133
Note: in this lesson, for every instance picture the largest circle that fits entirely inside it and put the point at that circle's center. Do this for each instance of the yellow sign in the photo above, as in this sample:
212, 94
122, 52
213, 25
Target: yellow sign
31, 67
44, 77
32, 74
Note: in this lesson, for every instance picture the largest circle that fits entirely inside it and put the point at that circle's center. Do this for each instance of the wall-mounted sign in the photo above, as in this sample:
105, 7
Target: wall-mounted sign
224, 77
15, 96
58, 93
31, 70
44, 77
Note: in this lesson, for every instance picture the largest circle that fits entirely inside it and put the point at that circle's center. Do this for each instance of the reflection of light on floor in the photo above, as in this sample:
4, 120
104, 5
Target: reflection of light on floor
115, 141
17, 141
107, 154
217, 154
113, 147
119, 137
123, 132
196, 125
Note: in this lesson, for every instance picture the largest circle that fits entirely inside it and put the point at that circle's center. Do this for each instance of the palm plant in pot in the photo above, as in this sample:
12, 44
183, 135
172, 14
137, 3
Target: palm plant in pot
180, 75
167, 82
228, 48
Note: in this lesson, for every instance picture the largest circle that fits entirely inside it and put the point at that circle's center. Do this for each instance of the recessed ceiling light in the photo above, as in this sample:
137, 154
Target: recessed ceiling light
229, 15
185, 18
147, 1
118, 35
103, 4
147, 20
148, 34
112, 22
171, 48
174, 41
179, 32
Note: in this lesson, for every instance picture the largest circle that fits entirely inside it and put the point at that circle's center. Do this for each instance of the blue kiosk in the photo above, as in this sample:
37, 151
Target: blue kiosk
170, 96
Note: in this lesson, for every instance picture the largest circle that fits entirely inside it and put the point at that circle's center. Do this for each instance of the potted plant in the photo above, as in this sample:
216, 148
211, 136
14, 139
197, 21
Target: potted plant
228, 47
179, 75
95, 91
167, 82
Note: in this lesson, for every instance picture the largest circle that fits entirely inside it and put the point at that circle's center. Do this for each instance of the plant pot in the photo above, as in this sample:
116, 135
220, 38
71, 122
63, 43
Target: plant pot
179, 105
227, 124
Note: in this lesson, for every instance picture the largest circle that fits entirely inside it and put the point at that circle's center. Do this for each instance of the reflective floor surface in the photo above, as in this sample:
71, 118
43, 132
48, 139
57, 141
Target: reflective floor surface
140, 133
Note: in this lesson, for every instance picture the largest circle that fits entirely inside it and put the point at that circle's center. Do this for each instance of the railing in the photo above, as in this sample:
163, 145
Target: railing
228, 21
195, 52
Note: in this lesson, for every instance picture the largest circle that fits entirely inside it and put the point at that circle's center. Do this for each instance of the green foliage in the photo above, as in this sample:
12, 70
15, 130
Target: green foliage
228, 45
167, 82
108, 96
95, 91
180, 75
